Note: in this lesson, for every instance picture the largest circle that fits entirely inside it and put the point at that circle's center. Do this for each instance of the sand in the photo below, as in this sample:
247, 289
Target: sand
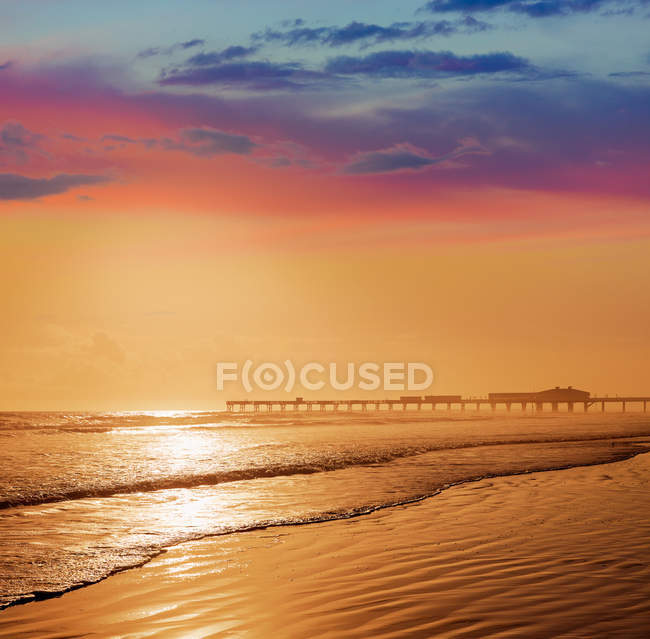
553, 554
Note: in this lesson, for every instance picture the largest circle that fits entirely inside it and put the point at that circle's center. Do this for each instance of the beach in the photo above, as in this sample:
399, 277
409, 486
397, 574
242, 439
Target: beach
563, 553
325, 319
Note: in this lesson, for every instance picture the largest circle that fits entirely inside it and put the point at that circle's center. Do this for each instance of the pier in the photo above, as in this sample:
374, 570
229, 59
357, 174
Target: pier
553, 398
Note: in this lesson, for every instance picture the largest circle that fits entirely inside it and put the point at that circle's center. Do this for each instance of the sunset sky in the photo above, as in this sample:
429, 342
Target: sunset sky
460, 182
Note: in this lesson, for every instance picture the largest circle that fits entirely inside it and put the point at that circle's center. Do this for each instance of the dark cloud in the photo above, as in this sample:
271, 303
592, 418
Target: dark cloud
149, 53
6, 65
17, 142
188, 44
467, 6
118, 138
149, 143
72, 138
280, 162
205, 142
629, 74
558, 135
539, 136
386, 161
205, 69
360, 32
219, 57
199, 141
472, 25
123, 140
545, 8
253, 74
276, 162
227, 68
14, 134
292, 37
426, 64
532, 8
403, 158
179, 46
20, 187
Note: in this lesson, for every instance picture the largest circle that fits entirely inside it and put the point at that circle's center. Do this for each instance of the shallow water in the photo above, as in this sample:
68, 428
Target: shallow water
82, 495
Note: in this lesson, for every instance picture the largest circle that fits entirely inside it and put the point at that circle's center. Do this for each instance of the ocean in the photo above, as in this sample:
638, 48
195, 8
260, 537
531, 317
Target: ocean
83, 495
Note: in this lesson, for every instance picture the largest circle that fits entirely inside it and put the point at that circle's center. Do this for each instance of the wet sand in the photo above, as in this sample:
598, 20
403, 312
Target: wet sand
552, 554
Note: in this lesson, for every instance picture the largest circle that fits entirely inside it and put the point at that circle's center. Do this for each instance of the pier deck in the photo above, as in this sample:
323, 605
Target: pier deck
532, 401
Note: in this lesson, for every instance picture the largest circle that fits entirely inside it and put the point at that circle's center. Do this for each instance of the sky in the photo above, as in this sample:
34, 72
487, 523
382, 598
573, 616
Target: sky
460, 182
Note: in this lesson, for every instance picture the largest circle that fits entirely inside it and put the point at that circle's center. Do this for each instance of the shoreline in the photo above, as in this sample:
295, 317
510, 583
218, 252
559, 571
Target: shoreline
44, 598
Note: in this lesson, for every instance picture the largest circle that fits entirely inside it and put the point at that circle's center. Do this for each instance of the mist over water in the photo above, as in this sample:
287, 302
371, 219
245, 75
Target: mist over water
84, 495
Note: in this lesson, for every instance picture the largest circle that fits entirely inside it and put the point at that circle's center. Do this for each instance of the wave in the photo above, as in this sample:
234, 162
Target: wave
59, 420
9, 600
92, 422
273, 470
129, 420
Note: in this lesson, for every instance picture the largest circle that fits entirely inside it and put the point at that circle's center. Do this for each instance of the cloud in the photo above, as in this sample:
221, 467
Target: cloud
545, 8
118, 138
188, 44
540, 136
179, 46
228, 69
206, 142
14, 134
629, 74
199, 141
215, 69
386, 161
403, 157
360, 32
467, 6
426, 64
532, 8
472, 25
276, 162
124, 140
72, 138
253, 75
149, 53
6, 65
219, 57
17, 142
20, 187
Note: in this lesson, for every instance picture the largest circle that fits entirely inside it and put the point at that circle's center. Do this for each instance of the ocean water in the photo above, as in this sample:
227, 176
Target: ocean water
85, 495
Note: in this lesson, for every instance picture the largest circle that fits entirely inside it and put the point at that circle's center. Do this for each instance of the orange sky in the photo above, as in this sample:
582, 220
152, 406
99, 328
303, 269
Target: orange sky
215, 187
134, 311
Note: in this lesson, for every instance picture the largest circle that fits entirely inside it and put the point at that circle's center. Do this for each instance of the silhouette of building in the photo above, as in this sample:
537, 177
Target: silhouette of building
558, 394
551, 395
